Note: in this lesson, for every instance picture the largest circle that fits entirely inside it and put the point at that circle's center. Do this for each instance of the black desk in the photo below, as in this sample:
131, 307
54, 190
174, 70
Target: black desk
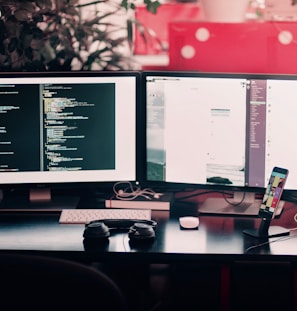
218, 238
219, 242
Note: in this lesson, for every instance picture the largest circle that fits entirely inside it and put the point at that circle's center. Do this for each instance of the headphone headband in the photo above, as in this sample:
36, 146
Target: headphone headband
123, 223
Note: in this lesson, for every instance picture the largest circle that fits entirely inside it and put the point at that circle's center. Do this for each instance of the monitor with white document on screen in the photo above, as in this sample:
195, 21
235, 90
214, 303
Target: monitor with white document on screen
219, 131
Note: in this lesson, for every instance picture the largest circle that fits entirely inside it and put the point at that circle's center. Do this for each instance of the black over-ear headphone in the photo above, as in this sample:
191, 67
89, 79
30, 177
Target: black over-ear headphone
138, 230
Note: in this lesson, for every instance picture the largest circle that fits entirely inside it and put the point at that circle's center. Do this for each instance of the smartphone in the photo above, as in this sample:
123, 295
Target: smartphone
273, 192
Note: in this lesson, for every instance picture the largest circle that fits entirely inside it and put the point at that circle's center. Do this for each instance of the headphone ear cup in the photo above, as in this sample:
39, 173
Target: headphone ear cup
141, 232
96, 230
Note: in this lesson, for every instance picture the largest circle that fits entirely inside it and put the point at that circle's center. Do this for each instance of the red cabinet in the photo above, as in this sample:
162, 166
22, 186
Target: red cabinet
258, 47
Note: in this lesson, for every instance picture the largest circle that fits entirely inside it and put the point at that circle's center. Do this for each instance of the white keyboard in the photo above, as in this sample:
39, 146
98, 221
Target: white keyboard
83, 216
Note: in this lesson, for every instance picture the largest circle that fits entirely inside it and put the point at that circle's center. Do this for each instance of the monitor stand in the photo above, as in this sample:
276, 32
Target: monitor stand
266, 231
242, 203
38, 199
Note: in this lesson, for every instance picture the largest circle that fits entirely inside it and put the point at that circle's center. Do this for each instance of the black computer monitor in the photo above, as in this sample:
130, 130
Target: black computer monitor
67, 129
219, 132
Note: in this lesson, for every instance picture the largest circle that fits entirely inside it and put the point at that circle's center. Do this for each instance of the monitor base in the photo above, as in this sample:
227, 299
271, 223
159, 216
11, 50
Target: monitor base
38, 201
244, 204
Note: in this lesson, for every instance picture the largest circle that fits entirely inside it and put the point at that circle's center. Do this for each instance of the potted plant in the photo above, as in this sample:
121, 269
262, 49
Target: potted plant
58, 35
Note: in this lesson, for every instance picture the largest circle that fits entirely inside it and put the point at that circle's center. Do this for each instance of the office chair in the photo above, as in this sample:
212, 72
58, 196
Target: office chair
37, 282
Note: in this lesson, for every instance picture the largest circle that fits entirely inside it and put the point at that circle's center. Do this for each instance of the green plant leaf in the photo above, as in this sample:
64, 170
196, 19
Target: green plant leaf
152, 6
50, 34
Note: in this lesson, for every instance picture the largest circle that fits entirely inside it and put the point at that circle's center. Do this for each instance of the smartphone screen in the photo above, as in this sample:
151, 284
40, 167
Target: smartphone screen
273, 191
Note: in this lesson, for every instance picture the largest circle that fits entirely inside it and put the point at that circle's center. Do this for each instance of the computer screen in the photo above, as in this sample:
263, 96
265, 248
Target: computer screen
219, 131
68, 128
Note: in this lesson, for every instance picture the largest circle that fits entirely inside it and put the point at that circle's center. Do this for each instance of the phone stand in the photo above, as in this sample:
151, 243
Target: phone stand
266, 231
